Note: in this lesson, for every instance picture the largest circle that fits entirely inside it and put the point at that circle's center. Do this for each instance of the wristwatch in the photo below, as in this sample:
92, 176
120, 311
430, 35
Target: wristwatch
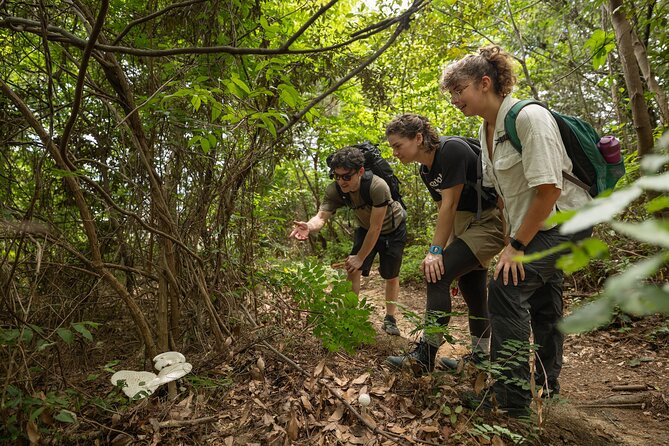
436, 250
518, 246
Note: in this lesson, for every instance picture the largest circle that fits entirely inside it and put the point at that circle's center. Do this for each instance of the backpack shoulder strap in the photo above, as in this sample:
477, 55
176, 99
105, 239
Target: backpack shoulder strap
512, 134
510, 122
365, 187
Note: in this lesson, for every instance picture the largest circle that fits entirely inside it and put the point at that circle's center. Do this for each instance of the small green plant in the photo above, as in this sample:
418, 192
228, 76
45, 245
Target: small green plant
411, 260
24, 413
336, 314
487, 432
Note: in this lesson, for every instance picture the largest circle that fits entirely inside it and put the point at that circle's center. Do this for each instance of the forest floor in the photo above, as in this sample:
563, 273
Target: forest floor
614, 382
278, 386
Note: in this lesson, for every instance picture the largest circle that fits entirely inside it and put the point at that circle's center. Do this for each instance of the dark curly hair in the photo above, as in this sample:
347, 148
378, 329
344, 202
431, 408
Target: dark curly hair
346, 158
491, 61
409, 125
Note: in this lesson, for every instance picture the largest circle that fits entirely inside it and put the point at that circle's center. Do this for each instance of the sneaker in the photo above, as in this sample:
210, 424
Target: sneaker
474, 358
390, 325
420, 360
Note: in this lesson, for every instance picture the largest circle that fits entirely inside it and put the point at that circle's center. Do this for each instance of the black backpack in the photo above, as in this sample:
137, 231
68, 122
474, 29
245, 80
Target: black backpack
377, 165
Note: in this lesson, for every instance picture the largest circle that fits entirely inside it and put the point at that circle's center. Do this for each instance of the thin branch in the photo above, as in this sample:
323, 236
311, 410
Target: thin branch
78, 92
140, 20
61, 35
404, 24
307, 24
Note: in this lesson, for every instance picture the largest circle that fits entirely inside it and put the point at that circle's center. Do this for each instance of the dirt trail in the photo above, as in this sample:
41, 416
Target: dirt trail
593, 409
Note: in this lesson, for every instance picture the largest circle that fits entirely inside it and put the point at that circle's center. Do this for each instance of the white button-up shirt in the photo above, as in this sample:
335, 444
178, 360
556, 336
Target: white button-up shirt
542, 161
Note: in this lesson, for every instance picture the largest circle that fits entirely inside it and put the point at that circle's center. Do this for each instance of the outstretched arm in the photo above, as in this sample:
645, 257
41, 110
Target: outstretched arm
302, 229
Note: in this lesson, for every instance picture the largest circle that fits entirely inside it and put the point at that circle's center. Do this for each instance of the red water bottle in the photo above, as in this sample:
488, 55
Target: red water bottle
609, 147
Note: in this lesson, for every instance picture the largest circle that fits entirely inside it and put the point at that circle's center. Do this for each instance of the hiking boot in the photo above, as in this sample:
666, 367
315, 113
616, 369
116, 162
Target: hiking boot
552, 391
420, 360
475, 358
390, 325
488, 404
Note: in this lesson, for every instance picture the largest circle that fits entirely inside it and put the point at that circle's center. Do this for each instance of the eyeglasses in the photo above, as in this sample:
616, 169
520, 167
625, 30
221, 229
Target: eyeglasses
455, 94
345, 177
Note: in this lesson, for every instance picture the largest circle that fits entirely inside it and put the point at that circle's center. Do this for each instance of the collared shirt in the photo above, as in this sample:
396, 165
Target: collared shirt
543, 159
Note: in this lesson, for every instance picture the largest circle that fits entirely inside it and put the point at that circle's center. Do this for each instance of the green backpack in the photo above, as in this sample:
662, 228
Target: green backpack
591, 171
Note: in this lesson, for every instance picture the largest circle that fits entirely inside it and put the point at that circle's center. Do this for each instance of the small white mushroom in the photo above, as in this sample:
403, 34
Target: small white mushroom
364, 399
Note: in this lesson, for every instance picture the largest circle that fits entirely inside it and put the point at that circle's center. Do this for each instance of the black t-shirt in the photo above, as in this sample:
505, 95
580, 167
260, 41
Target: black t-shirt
455, 162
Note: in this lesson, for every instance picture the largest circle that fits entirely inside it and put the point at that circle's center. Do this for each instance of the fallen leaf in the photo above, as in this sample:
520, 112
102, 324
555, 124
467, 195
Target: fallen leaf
306, 403
319, 368
360, 379
293, 428
427, 413
497, 441
33, 432
479, 385
338, 413
259, 403
229, 440
397, 429
267, 419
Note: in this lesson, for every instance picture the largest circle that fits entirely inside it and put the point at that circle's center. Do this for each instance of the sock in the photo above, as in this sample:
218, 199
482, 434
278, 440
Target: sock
481, 344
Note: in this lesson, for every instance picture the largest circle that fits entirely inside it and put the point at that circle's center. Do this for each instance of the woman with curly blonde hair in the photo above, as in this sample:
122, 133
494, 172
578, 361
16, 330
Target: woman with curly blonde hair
531, 187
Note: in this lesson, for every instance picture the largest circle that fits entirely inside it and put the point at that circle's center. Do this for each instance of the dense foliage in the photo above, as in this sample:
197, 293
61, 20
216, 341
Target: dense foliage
154, 154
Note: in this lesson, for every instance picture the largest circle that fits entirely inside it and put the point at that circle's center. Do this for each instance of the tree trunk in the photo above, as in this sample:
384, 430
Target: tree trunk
649, 77
624, 40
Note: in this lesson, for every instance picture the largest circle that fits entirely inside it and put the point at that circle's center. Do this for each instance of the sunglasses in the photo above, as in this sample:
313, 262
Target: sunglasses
345, 177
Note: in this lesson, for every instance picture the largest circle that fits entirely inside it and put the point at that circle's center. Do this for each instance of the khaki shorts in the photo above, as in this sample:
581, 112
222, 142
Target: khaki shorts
484, 237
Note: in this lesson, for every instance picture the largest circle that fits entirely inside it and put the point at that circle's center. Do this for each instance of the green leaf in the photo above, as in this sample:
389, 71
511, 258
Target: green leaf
41, 344
66, 416
216, 110
655, 182
241, 84
619, 286
652, 163
657, 204
600, 44
601, 210
82, 330
595, 247
560, 217
652, 231
588, 317
66, 335
575, 261
642, 301
196, 101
